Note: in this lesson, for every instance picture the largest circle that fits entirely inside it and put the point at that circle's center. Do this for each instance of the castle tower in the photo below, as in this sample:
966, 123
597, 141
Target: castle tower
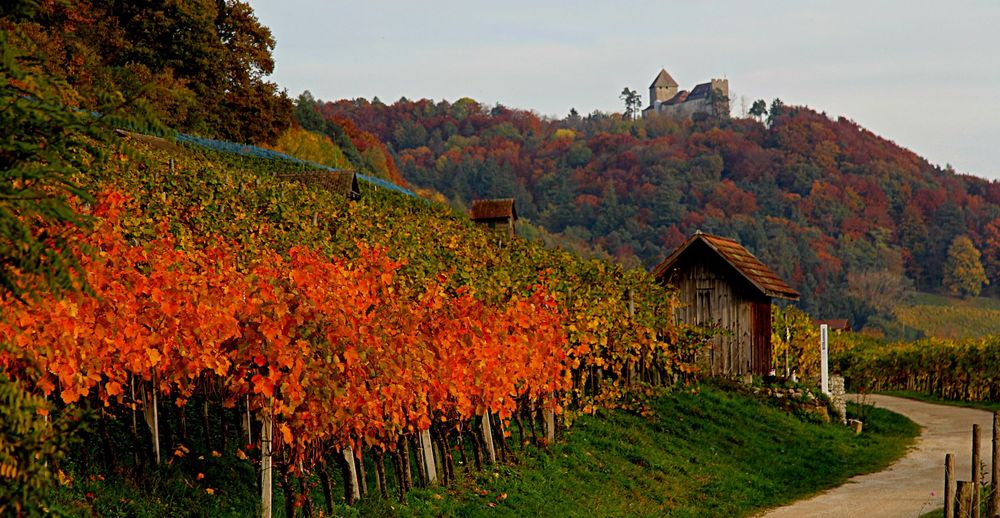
663, 88
721, 106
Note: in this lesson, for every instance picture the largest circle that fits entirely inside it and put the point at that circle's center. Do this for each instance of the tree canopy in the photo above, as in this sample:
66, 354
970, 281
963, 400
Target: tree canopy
963, 272
817, 198
201, 64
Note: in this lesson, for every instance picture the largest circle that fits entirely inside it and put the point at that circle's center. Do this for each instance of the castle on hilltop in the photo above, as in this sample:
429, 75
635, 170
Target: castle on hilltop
711, 98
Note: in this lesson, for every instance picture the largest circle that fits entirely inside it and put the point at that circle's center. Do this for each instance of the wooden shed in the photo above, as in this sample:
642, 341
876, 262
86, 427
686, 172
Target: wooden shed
836, 325
720, 282
498, 214
344, 183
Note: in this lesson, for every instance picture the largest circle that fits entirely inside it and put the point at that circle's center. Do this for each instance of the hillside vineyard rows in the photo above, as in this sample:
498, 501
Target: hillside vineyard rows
343, 324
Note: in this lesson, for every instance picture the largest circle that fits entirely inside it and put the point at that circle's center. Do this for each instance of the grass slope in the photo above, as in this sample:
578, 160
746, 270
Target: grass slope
715, 453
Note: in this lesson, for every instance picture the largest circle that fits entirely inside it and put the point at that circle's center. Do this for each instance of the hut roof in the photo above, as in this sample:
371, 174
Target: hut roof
663, 79
840, 324
151, 141
494, 209
759, 275
338, 182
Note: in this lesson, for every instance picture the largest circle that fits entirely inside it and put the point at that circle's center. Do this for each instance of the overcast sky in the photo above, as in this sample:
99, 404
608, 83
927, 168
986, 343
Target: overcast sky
924, 74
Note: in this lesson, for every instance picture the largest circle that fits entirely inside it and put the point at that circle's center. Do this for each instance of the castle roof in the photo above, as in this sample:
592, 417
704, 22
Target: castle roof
700, 91
663, 79
678, 98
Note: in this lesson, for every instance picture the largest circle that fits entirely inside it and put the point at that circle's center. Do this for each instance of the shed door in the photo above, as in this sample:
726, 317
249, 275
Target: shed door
760, 337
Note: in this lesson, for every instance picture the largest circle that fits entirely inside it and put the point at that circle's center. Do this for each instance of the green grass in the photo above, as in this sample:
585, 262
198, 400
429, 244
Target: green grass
991, 406
711, 454
714, 453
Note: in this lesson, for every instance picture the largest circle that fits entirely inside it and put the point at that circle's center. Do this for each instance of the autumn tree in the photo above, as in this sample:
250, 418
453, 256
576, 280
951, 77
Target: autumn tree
963, 272
876, 293
991, 251
201, 64
45, 144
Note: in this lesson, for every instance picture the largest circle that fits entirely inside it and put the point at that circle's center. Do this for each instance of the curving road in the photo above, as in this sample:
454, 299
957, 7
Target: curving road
914, 484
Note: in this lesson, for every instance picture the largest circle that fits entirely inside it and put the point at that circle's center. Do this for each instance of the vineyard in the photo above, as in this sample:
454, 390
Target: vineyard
295, 326
960, 370
951, 318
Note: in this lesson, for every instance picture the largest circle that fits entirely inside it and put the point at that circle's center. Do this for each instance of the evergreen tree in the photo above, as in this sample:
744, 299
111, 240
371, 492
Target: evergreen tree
759, 109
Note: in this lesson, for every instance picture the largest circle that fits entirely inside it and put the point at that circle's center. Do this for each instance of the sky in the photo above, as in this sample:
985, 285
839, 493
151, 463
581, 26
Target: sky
923, 74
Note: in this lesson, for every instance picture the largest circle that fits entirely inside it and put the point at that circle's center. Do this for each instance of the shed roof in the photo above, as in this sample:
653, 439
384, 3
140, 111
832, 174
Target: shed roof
150, 140
663, 79
494, 209
338, 182
759, 275
834, 323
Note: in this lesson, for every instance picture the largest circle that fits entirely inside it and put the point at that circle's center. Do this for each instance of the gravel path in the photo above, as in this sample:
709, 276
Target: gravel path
914, 484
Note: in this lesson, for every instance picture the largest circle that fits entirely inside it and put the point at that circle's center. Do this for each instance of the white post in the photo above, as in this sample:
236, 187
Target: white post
428, 453
824, 361
491, 453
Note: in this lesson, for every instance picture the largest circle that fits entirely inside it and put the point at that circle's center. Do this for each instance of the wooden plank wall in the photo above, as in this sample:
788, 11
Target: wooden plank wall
707, 295
761, 337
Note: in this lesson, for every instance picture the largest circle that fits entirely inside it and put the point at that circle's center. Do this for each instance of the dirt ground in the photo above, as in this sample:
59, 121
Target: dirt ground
914, 484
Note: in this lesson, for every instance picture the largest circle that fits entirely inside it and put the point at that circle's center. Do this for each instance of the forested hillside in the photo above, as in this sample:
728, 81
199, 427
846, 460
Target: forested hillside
849, 218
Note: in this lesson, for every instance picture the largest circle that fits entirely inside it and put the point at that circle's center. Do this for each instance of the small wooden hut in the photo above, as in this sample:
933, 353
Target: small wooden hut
836, 325
344, 183
498, 214
720, 282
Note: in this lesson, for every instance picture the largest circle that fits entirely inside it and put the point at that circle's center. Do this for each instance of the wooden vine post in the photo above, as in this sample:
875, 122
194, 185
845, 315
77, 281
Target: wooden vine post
631, 318
427, 453
352, 489
266, 464
152, 417
963, 502
245, 421
949, 486
975, 471
550, 423
995, 471
491, 452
